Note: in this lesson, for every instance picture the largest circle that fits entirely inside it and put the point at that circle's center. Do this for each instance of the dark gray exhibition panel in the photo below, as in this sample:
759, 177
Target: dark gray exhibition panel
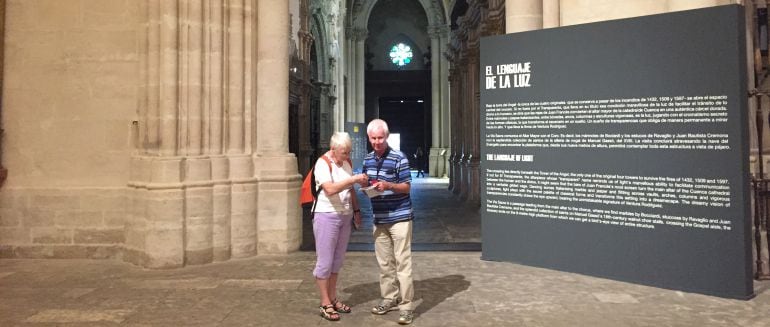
619, 149
357, 132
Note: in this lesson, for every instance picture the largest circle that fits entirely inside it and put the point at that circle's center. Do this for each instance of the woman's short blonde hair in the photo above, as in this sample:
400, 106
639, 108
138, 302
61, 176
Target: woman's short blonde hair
341, 139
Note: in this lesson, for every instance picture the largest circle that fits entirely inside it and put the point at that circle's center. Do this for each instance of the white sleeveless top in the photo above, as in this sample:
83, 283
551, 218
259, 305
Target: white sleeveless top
339, 202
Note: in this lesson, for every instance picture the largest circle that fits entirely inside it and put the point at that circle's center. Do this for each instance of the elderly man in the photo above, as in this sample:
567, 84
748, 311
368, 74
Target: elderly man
388, 172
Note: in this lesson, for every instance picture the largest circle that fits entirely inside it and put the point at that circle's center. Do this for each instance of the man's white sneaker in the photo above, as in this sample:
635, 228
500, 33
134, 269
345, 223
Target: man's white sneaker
385, 306
405, 317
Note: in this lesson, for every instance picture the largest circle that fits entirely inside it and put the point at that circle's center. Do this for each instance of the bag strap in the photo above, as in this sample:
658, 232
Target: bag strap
382, 161
328, 162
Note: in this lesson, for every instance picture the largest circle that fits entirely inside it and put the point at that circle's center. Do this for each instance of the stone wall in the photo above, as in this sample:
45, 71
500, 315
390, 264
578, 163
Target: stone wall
69, 100
149, 130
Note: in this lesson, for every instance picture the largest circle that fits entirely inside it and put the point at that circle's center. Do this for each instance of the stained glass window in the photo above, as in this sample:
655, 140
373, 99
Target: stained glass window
401, 54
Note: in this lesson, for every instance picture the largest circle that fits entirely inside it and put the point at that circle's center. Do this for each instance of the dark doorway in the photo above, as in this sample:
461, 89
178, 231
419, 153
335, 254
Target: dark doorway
408, 117
402, 99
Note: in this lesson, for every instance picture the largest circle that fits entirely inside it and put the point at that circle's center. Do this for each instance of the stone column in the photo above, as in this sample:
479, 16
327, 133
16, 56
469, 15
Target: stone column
167, 96
458, 131
523, 15
155, 225
445, 105
454, 86
551, 13
474, 157
360, 72
191, 46
213, 127
350, 84
466, 97
341, 94
198, 190
235, 77
193, 183
435, 86
279, 218
243, 202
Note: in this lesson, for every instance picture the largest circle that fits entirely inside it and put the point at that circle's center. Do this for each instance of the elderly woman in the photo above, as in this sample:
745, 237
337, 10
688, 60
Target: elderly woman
335, 207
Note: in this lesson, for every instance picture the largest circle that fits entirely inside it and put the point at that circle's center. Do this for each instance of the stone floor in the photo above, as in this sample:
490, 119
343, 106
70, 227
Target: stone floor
452, 289
441, 220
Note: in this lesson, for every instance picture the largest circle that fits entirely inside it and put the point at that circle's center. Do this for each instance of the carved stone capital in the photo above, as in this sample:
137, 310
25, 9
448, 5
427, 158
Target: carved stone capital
434, 32
360, 34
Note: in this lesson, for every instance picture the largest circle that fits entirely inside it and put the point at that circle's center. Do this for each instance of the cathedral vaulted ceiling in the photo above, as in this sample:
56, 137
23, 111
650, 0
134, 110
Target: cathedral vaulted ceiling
360, 10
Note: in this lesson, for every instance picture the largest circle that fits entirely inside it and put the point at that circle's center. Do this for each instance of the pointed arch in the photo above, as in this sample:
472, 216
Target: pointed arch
434, 10
320, 35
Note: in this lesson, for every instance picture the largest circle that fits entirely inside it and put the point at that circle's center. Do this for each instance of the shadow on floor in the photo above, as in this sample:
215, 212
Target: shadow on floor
431, 291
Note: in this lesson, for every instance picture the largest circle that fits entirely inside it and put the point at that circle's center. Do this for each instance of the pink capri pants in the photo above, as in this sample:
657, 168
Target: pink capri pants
332, 233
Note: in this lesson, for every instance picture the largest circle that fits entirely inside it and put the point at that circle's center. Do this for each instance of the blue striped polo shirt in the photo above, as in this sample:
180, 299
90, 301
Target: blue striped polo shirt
395, 207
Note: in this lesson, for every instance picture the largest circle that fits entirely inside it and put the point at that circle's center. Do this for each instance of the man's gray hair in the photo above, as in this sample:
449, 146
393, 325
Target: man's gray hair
340, 139
377, 124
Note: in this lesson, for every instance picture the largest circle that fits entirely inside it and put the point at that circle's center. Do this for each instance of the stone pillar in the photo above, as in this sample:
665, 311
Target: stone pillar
350, 84
191, 46
279, 218
155, 226
194, 192
551, 14
458, 131
164, 14
435, 86
360, 72
466, 97
340, 90
523, 15
235, 76
445, 123
212, 97
244, 187
198, 193
474, 153
454, 86
213, 122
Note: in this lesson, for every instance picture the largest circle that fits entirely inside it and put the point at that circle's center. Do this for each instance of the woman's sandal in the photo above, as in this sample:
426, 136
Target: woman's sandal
328, 312
341, 307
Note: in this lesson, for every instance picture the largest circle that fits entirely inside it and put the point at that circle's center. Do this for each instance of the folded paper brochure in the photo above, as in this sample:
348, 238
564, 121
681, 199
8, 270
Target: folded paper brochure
371, 192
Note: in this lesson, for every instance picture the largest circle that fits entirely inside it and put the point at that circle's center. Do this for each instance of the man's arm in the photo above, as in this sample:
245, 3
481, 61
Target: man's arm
404, 185
395, 187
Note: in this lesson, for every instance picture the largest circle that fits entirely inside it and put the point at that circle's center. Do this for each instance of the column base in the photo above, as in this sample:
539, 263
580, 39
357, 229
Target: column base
437, 166
279, 215
464, 179
474, 181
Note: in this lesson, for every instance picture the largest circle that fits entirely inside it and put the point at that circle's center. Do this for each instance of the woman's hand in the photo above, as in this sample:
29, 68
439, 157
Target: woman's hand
361, 179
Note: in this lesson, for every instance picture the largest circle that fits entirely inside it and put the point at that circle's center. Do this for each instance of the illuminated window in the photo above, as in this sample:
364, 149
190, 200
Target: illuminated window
401, 54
